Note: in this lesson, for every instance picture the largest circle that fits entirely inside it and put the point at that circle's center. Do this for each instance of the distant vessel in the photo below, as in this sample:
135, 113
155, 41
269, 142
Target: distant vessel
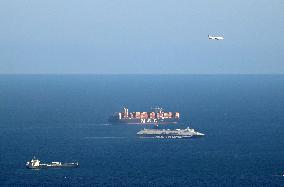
167, 133
156, 116
35, 164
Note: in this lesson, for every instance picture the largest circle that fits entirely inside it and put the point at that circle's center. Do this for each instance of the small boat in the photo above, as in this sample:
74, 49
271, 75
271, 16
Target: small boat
35, 164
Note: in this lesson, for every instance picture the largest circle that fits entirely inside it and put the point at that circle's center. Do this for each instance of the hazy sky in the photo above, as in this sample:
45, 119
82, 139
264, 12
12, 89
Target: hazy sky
141, 36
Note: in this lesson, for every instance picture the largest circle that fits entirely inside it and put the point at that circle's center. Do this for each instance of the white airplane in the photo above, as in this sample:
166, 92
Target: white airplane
215, 37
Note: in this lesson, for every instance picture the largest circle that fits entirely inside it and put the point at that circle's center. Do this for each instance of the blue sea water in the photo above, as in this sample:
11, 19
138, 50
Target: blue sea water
64, 118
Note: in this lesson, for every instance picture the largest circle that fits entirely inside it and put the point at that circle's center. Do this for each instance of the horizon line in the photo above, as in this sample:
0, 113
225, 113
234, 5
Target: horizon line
141, 74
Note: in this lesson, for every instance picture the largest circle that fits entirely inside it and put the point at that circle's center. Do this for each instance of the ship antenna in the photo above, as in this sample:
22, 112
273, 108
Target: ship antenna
157, 109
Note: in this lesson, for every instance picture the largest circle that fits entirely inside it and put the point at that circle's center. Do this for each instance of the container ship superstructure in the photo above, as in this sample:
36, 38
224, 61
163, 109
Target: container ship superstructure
156, 116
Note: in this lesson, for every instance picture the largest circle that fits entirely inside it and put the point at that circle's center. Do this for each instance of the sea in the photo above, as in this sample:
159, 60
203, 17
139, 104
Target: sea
65, 118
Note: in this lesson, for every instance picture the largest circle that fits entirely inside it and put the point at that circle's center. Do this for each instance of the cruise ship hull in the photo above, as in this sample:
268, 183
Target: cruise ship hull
168, 133
166, 137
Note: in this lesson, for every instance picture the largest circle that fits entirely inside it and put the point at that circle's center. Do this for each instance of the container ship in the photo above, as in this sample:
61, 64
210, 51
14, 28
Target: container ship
156, 116
169, 134
35, 164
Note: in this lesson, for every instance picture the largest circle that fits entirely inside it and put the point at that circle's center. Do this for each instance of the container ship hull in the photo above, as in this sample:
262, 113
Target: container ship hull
157, 116
143, 121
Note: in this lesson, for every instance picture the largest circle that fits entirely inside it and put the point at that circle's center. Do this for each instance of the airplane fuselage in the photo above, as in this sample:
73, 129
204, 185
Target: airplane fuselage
215, 37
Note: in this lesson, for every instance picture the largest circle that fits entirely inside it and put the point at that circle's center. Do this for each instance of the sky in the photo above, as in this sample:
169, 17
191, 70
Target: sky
141, 37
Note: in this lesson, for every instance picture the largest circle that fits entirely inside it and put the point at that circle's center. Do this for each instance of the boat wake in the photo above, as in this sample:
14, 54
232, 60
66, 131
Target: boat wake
104, 124
105, 137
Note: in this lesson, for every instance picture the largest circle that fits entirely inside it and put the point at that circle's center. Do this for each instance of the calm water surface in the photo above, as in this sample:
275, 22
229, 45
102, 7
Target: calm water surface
64, 118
